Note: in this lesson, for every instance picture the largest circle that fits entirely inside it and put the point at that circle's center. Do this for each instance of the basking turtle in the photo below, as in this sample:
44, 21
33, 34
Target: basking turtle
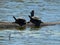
35, 20
20, 21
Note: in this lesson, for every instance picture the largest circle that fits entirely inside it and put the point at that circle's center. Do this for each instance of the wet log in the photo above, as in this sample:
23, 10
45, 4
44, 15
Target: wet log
49, 23
8, 25
14, 25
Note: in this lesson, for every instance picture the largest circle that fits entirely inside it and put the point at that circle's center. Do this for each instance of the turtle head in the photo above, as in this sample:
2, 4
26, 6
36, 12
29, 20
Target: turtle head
32, 13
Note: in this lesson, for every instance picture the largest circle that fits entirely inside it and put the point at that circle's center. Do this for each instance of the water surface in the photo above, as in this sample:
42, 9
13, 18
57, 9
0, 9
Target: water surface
46, 10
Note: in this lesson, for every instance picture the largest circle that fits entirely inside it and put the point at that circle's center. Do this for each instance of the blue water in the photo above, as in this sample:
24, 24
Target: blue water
46, 10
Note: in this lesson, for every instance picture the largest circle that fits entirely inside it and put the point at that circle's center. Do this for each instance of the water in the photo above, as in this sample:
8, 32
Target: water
47, 10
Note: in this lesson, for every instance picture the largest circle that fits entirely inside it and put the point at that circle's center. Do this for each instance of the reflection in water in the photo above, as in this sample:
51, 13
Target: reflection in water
35, 28
21, 28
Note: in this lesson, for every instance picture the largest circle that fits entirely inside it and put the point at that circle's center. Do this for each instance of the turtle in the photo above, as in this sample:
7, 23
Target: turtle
20, 21
34, 20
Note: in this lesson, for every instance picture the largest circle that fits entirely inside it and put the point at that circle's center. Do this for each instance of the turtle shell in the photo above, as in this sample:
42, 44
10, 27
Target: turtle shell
35, 17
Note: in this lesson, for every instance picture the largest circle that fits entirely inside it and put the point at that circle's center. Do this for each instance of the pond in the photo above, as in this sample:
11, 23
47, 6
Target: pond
46, 10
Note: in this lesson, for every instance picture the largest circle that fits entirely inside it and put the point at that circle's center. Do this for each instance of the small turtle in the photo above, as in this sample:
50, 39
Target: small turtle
20, 21
35, 20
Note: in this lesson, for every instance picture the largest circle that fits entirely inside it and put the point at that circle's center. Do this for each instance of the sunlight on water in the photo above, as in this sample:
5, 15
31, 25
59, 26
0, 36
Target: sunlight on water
47, 10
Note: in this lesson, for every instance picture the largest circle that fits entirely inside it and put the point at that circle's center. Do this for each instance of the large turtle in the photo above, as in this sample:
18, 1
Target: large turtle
34, 20
20, 21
